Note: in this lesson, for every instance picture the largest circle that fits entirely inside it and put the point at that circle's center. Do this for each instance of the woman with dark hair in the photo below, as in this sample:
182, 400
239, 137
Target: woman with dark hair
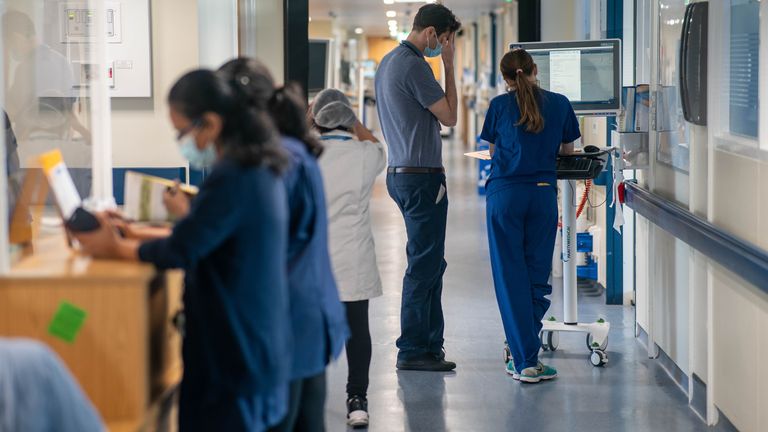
232, 246
317, 315
526, 127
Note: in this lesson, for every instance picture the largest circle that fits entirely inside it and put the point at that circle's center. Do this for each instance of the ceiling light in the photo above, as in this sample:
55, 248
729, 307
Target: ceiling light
392, 23
310, 19
359, 30
391, 14
389, 1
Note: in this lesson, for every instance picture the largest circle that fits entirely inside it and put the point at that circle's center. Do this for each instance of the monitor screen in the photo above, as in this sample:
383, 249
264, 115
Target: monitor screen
588, 73
318, 65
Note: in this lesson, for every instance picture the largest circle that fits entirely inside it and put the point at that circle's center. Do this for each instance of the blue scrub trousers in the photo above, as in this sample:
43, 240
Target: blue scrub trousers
522, 225
425, 214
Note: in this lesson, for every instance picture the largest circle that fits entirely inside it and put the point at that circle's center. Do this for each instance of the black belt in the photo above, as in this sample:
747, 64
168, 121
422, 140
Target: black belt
414, 170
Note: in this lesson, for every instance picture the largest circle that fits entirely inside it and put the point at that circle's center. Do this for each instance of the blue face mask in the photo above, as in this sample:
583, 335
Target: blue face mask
198, 159
433, 52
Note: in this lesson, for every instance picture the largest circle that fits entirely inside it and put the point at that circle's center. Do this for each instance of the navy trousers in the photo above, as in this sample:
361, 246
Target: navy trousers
522, 225
423, 201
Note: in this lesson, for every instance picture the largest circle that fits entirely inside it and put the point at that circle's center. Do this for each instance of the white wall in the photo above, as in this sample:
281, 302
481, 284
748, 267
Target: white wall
142, 135
269, 36
740, 326
557, 20
710, 321
217, 25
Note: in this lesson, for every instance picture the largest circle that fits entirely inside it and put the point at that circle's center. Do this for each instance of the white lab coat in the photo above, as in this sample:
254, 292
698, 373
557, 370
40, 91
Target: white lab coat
349, 169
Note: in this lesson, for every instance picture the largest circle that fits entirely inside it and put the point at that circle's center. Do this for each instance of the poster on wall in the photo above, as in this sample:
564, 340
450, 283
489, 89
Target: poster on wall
127, 23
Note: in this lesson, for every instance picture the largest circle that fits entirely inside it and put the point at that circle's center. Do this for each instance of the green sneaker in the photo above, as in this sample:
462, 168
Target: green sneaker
511, 370
538, 373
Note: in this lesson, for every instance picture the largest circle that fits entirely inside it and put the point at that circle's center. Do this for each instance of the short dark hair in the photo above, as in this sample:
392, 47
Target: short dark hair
437, 16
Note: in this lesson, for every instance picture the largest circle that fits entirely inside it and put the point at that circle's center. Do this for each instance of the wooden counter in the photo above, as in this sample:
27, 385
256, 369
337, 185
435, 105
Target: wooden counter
127, 353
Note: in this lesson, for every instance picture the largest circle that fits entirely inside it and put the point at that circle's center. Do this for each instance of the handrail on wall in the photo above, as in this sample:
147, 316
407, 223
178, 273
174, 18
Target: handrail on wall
740, 257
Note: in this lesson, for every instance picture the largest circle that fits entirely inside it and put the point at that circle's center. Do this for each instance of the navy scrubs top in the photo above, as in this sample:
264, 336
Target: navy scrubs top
232, 246
317, 315
521, 156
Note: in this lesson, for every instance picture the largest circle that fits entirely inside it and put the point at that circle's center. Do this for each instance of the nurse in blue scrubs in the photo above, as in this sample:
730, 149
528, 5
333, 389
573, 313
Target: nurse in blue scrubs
232, 247
527, 127
317, 315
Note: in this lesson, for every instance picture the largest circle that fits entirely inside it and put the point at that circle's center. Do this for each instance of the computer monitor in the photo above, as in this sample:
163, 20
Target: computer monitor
320, 65
587, 72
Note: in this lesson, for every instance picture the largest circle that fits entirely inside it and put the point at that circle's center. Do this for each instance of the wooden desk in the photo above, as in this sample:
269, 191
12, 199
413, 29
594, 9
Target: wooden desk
127, 354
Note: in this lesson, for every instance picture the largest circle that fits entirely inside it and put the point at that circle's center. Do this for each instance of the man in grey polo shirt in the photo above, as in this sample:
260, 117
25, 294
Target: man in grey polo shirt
411, 106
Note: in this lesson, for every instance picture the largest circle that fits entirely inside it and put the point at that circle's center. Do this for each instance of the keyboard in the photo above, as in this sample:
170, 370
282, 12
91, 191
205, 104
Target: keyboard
579, 167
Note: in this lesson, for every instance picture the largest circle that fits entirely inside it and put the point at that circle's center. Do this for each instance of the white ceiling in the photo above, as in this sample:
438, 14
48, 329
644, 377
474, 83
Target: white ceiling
371, 14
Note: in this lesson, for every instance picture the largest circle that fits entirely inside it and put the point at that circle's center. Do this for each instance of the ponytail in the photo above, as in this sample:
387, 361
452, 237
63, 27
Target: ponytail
290, 114
517, 66
285, 105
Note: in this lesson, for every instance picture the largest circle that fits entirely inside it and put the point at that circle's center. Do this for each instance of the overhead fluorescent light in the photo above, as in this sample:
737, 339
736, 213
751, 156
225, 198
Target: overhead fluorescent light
359, 30
391, 14
392, 23
389, 2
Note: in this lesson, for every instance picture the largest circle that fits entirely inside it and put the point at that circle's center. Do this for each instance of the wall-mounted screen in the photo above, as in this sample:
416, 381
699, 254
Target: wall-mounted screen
587, 72
319, 65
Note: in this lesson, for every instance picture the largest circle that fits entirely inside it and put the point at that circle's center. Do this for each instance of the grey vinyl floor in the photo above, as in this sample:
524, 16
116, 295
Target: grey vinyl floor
632, 393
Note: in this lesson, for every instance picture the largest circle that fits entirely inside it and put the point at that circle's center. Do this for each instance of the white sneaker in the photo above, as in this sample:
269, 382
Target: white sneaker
357, 411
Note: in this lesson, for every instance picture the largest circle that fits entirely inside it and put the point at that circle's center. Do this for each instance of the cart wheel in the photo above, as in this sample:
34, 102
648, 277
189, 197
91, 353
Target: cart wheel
507, 354
553, 340
598, 358
591, 343
544, 341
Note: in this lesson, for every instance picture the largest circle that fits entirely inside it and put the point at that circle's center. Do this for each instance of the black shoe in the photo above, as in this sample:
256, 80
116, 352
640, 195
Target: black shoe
441, 354
357, 411
428, 362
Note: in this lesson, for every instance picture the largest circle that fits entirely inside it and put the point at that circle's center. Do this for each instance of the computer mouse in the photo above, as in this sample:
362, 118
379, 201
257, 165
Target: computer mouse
591, 149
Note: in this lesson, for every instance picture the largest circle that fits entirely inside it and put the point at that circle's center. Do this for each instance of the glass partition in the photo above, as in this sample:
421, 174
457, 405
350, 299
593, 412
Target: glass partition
56, 91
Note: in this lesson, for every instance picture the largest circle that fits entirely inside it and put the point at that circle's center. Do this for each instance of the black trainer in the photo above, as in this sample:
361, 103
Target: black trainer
357, 411
428, 363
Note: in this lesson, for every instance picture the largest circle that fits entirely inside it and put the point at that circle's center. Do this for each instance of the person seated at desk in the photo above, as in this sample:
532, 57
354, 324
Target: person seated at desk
232, 246
317, 315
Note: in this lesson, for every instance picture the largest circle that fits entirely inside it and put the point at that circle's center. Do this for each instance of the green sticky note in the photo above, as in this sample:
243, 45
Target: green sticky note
67, 322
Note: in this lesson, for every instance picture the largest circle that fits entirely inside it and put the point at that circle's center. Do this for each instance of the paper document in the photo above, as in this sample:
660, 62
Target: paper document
482, 155
565, 73
440, 194
64, 190
144, 197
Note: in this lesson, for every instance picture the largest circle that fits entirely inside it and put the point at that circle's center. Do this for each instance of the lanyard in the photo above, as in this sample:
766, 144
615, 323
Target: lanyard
335, 137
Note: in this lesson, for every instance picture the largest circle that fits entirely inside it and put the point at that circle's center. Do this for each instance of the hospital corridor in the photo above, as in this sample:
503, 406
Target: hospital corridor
631, 393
